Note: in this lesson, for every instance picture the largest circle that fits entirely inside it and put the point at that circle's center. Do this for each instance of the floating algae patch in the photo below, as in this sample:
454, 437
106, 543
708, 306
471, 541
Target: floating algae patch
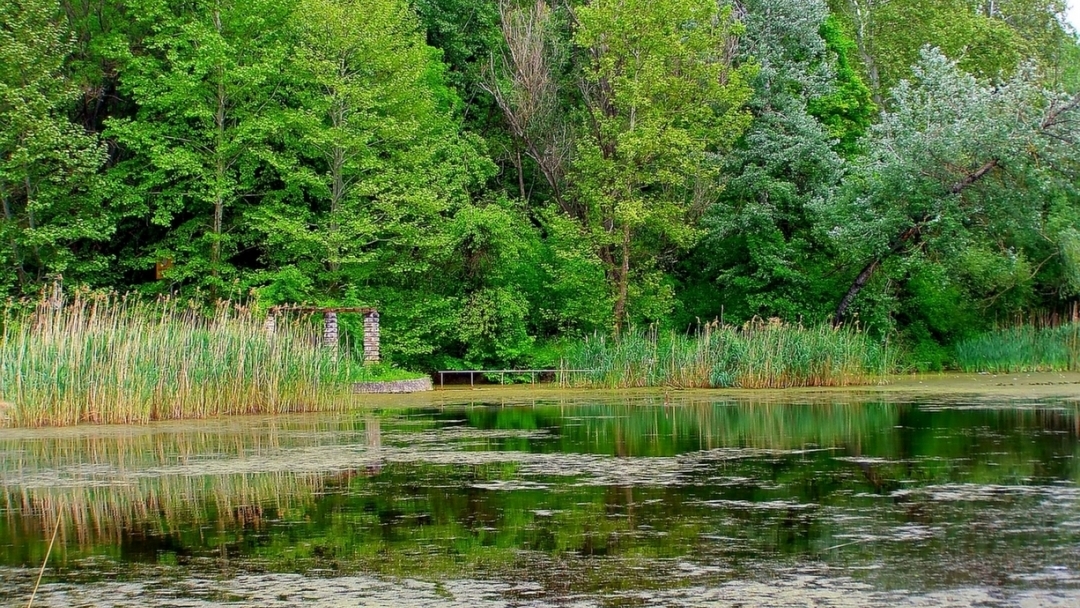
595, 501
813, 588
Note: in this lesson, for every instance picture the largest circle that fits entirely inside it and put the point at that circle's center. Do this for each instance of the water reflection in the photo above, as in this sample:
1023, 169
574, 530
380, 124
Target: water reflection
609, 501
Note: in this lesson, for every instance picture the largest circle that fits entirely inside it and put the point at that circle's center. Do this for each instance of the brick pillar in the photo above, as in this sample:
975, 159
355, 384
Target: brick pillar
330, 330
371, 337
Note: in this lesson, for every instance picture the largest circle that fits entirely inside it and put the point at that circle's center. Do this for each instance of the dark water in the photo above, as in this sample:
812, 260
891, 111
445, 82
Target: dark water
646, 501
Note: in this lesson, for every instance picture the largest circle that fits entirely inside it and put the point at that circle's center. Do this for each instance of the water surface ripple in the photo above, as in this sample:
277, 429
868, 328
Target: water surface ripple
562, 501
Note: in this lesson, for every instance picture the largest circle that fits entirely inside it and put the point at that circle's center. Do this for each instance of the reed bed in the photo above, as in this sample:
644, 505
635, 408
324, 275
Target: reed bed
1022, 349
755, 355
114, 359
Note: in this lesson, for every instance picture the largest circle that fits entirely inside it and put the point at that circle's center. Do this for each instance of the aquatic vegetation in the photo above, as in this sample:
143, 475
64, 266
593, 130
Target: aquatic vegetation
755, 355
113, 359
1022, 349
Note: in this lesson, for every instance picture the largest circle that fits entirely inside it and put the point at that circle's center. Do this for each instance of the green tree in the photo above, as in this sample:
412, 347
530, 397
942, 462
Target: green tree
662, 100
362, 147
207, 79
988, 38
525, 83
959, 162
846, 108
466, 31
52, 218
382, 201
763, 253
1038, 23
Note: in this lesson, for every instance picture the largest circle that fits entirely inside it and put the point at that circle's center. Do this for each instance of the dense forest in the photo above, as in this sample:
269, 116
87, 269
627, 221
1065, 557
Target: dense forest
499, 175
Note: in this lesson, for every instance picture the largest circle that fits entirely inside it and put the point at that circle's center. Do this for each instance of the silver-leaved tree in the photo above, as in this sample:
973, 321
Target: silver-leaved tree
959, 163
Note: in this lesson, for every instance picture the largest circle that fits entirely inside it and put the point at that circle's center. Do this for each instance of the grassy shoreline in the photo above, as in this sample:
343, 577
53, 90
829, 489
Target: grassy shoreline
108, 359
754, 356
1022, 349
121, 360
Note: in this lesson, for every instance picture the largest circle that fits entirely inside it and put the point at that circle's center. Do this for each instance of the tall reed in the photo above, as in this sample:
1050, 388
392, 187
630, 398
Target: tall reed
1022, 349
756, 355
114, 359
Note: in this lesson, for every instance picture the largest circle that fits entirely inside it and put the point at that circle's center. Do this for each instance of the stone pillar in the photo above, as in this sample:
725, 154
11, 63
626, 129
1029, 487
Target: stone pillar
330, 330
270, 327
371, 337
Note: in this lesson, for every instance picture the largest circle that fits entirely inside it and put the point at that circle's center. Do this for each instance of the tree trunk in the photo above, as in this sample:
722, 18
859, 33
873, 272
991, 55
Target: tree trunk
623, 282
973, 177
9, 217
31, 223
520, 171
337, 195
868, 271
220, 169
338, 156
856, 287
863, 42
906, 236
219, 220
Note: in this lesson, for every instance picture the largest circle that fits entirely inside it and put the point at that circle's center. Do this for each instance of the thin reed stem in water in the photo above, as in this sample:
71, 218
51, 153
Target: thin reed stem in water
44, 562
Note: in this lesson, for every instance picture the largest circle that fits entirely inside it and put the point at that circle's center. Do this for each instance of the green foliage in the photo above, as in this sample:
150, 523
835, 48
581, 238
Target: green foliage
958, 165
574, 297
661, 103
762, 247
936, 310
498, 176
207, 81
983, 45
366, 155
466, 32
924, 353
847, 110
988, 39
53, 217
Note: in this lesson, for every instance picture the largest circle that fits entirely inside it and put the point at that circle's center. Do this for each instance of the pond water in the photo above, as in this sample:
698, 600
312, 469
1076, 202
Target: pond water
642, 500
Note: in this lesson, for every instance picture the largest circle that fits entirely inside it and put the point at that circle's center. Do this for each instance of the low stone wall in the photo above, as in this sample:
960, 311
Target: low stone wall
394, 386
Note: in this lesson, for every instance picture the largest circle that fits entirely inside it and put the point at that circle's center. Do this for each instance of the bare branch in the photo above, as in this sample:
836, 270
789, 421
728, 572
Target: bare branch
973, 177
1057, 112
522, 82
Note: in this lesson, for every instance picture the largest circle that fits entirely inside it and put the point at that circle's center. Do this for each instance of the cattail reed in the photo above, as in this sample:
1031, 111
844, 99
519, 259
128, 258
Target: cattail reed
117, 359
759, 354
1022, 349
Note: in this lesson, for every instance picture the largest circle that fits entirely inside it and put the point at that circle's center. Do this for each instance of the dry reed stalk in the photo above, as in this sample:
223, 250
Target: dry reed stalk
44, 562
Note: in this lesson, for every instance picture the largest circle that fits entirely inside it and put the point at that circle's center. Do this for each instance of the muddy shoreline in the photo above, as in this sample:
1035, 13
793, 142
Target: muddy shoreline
1064, 385
1035, 384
